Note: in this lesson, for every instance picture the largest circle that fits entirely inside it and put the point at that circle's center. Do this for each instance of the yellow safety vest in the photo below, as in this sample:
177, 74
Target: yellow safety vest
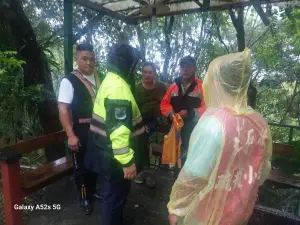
117, 118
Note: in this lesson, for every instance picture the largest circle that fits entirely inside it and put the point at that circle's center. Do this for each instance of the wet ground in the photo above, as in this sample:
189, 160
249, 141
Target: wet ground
144, 207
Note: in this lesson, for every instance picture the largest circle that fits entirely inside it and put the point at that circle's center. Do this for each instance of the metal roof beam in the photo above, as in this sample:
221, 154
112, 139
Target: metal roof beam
211, 8
133, 19
198, 3
261, 12
142, 2
106, 11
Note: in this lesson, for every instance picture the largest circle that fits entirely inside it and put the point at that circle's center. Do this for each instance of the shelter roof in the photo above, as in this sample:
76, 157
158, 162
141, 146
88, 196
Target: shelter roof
130, 11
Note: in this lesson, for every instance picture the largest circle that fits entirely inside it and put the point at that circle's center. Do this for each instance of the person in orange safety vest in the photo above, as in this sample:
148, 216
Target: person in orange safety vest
185, 97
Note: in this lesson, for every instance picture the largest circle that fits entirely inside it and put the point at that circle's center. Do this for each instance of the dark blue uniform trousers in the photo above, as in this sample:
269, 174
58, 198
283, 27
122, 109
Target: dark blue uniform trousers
114, 198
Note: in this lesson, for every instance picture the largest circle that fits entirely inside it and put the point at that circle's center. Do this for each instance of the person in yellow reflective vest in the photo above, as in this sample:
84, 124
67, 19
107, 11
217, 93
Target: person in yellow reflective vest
115, 133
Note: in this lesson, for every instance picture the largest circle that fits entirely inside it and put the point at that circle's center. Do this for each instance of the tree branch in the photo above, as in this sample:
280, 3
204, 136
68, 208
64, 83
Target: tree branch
215, 19
289, 106
201, 39
260, 12
233, 18
198, 3
252, 31
88, 26
141, 40
168, 32
256, 75
260, 37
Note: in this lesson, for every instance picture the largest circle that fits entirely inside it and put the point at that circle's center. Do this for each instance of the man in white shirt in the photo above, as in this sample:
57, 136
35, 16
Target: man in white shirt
77, 93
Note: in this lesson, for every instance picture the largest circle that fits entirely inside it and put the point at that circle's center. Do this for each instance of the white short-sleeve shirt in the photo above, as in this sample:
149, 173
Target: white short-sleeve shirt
66, 90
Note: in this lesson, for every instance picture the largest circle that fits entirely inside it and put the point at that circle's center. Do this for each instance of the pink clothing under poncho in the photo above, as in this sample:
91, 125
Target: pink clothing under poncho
229, 153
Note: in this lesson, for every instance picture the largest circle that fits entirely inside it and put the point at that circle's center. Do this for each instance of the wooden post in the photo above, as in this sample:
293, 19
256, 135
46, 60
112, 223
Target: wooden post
11, 181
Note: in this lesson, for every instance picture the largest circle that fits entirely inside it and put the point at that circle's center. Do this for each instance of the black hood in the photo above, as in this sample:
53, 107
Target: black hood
122, 60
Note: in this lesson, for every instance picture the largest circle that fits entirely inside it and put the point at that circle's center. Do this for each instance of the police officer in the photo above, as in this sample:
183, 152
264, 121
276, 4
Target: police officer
76, 98
115, 131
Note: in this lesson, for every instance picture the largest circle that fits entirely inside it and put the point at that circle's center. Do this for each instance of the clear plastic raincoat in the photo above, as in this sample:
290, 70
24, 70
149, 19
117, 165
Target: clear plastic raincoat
229, 151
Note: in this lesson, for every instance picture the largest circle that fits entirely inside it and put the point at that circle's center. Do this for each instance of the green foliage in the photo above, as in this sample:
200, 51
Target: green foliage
17, 114
296, 145
276, 64
8, 62
292, 27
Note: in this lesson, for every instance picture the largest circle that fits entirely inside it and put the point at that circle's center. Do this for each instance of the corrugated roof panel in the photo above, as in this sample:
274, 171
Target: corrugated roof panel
174, 5
130, 10
121, 5
183, 6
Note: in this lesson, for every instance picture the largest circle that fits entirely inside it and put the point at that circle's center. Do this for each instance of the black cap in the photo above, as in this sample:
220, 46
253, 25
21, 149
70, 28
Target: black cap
187, 60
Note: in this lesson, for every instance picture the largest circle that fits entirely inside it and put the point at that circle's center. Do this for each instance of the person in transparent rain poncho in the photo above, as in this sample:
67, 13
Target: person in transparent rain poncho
229, 152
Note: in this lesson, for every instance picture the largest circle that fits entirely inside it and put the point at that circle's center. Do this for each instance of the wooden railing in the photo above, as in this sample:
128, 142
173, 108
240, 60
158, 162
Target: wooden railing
15, 186
291, 130
279, 149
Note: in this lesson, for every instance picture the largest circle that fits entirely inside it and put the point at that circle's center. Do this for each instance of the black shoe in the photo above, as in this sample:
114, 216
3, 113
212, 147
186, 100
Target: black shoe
86, 207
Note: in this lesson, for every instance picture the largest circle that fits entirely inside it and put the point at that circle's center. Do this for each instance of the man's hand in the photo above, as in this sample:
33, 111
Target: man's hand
183, 113
173, 219
73, 143
171, 116
65, 116
130, 172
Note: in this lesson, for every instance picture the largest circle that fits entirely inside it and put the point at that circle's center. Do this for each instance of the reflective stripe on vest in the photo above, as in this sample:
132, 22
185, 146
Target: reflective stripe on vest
99, 112
97, 130
98, 118
195, 95
121, 151
84, 120
191, 94
138, 132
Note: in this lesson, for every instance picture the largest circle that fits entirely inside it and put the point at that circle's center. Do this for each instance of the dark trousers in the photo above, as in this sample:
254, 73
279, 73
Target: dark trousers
146, 140
186, 132
83, 176
114, 198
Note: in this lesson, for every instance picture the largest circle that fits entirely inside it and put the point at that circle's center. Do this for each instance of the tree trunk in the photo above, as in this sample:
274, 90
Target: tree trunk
238, 23
87, 29
167, 32
141, 38
36, 69
201, 39
217, 23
